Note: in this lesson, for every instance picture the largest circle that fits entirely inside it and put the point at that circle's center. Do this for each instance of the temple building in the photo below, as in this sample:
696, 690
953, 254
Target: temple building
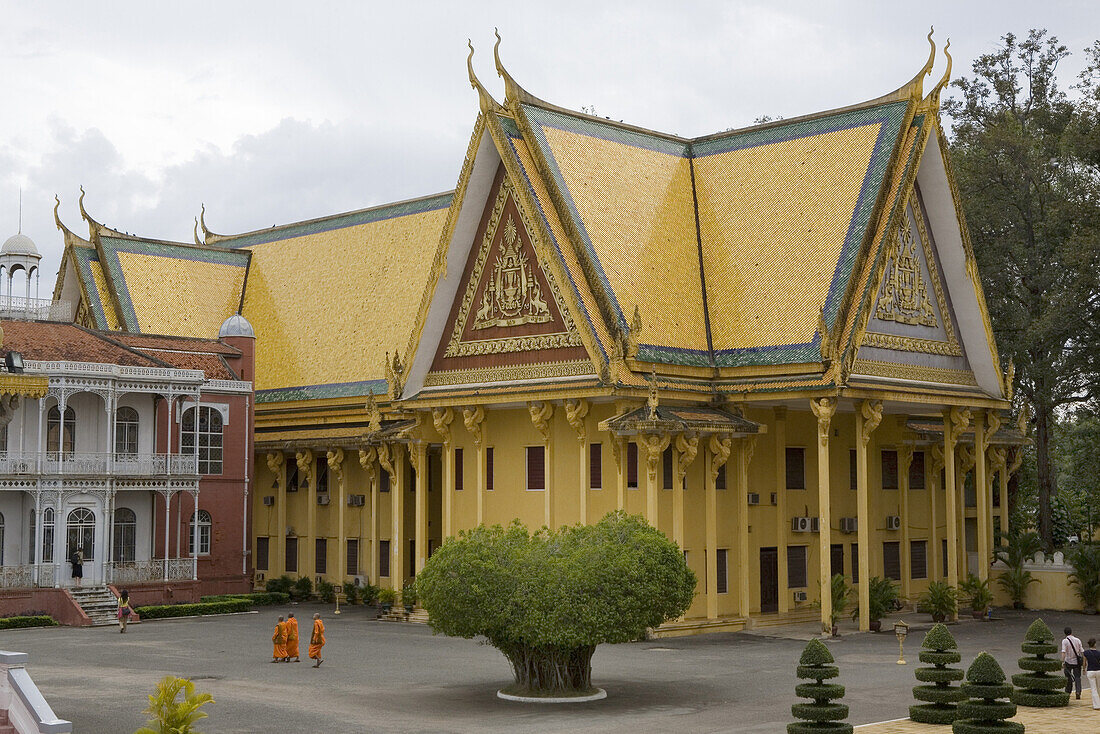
770, 342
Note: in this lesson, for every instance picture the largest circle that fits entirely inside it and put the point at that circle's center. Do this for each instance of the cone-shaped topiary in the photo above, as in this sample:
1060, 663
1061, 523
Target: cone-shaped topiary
1037, 686
822, 715
984, 712
939, 650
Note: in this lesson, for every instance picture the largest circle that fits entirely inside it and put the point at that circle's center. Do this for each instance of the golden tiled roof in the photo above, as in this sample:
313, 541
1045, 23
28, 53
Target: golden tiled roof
327, 305
110, 314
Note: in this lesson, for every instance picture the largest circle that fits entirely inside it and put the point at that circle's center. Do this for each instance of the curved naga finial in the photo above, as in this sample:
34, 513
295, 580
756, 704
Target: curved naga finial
512, 91
56, 216
197, 241
206, 233
83, 211
935, 96
488, 104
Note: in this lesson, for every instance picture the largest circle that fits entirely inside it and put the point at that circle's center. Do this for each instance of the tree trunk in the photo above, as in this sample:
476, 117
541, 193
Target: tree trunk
551, 669
1044, 417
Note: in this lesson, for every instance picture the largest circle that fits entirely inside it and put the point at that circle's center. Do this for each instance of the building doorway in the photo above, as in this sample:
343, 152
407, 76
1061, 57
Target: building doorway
769, 580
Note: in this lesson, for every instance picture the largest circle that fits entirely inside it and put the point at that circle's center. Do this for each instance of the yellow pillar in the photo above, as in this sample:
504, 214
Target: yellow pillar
307, 556
744, 570
716, 456
654, 445
823, 409
276, 462
366, 461
965, 456
782, 522
981, 489
905, 460
575, 412
336, 471
541, 415
442, 418
619, 451
397, 514
868, 416
474, 418
954, 421
420, 466
934, 555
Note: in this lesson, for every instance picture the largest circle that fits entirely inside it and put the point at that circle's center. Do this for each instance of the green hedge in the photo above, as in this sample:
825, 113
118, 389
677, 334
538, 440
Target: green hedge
258, 598
37, 620
189, 610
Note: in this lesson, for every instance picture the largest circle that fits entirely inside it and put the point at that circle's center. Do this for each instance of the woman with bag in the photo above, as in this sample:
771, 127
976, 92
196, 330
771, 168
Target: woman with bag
77, 559
124, 610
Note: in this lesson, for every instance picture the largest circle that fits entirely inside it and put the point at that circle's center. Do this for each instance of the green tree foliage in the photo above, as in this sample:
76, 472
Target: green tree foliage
941, 600
1040, 685
547, 599
171, 716
938, 650
1030, 184
823, 715
984, 712
1015, 548
1085, 576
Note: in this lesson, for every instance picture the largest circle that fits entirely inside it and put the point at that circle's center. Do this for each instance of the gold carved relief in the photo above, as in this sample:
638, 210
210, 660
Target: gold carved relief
904, 296
513, 296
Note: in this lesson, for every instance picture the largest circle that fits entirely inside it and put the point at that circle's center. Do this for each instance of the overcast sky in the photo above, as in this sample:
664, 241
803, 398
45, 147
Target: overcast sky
274, 112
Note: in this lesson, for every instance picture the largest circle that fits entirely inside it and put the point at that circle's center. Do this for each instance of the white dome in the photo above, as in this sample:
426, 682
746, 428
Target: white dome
19, 244
236, 325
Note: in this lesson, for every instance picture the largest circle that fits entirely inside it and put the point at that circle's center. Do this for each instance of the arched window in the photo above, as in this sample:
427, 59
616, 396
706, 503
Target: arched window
204, 534
47, 535
125, 536
126, 431
209, 436
80, 533
59, 437
1, 539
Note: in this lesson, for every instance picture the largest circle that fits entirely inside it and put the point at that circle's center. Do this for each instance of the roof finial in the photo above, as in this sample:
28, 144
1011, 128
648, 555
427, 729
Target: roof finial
935, 96
512, 91
83, 211
488, 104
197, 242
652, 400
206, 233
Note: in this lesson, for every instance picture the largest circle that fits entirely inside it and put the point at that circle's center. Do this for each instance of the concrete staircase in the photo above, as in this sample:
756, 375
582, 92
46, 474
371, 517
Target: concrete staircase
795, 616
98, 603
397, 614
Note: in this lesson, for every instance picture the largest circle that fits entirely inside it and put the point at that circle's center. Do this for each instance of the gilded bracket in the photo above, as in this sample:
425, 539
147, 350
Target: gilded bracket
305, 464
720, 448
575, 412
872, 416
474, 419
687, 448
957, 421
937, 459
824, 409
386, 457
335, 460
442, 418
655, 446
541, 412
905, 459
275, 462
992, 423
367, 457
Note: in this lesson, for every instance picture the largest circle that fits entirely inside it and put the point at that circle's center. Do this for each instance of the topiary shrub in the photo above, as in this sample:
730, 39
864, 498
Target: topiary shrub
984, 712
938, 650
1036, 686
822, 715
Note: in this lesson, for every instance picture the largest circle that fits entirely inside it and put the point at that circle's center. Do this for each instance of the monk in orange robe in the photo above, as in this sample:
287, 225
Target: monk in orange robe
317, 640
279, 641
292, 639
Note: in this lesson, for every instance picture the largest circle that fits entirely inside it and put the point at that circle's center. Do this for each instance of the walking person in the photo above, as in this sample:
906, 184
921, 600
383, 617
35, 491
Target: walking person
1092, 657
292, 639
124, 610
317, 640
278, 654
1072, 656
77, 559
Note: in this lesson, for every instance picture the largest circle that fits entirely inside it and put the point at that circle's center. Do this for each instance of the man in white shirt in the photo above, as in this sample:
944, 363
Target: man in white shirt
1072, 655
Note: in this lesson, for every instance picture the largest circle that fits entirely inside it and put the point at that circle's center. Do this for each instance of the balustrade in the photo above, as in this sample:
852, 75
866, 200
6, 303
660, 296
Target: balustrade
124, 465
16, 577
35, 309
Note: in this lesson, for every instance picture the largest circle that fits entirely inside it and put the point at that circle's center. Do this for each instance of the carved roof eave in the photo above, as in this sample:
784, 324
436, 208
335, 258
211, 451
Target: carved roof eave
26, 386
668, 421
928, 432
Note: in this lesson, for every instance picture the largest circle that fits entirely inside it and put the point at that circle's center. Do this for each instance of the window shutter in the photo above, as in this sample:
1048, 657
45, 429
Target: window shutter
666, 468
632, 464
536, 467
916, 471
458, 470
918, 559
595, 466
796, 566
489, 469
891, 560
889, 464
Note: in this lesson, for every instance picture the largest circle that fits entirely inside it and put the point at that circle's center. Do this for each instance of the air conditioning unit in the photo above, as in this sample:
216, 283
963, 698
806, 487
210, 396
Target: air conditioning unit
754, 498
269, 500
292, 487
800, 524
848, 525
799, 597
893, 522
290, 531
319, 580
775, 498
322, 499
357, 500
815, 524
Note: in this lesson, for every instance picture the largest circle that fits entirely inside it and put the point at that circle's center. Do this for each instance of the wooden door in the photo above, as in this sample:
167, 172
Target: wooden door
769, 580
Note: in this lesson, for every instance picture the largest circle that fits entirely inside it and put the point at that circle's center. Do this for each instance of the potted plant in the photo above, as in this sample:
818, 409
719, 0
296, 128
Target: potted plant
386, 598
941, 601
1015, 582
1085, 576
978, 594
1017, 548
408, 596
351, 593
370, 594
841, 594
882, 595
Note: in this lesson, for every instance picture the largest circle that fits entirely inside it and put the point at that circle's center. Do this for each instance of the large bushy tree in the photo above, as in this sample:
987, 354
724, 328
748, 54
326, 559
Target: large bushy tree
547, 599
1028, 166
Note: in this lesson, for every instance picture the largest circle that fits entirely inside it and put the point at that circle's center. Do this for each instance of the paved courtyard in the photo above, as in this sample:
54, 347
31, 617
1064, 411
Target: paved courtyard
381, 676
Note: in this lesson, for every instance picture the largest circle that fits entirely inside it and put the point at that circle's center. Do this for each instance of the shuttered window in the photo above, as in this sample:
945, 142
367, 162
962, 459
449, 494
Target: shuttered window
796, 468
918, 559
916, 471
291, 555
595, 466
723, 571
631, 465
889, 463
796, 566
384, 481
836, 559
489, 469
891, 560
855, 563
458, 470
943, 555
536, 468
321, 562
853, 480
666, 468
384, 558
720, 480
262, 553
353, 556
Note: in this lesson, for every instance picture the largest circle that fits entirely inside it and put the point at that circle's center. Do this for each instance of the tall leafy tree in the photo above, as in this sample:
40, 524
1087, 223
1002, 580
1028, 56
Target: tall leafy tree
1028, 165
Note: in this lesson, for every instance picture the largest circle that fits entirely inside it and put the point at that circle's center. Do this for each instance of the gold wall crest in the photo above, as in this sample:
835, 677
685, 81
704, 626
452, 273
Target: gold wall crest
904, 296
512, 295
